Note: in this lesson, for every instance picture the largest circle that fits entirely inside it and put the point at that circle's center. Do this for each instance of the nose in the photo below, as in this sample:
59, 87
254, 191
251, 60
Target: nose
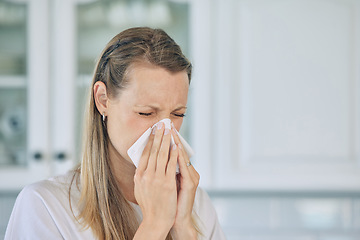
163, 116
176, 124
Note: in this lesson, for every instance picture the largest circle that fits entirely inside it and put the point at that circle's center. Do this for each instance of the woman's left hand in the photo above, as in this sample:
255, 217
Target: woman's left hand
188, 180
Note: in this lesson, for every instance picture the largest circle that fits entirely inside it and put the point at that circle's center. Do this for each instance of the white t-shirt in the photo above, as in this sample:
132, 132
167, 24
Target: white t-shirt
42, 211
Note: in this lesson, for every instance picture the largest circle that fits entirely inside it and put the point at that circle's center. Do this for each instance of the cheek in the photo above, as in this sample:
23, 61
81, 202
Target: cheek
177, 123
123, 131
136, 127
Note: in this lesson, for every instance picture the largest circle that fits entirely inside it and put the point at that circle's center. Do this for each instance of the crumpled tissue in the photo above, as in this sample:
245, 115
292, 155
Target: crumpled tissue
136, 150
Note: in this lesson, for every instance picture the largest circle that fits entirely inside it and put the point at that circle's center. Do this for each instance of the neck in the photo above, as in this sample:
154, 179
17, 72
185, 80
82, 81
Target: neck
124, 172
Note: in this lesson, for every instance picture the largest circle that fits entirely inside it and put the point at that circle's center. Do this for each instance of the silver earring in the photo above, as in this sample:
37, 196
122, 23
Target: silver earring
103, 117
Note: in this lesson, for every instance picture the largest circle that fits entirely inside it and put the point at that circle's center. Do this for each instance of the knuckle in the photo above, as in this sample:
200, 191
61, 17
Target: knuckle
154, 151
137, 175
191, 186
197, 176
197, 182
146, 178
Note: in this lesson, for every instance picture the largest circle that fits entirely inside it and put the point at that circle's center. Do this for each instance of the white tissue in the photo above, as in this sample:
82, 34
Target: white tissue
136, 150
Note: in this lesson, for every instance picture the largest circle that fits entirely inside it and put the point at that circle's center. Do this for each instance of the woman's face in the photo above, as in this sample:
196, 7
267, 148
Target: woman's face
152, 94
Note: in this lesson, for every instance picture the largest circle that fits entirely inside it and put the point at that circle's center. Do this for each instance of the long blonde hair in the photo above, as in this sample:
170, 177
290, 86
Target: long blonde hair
103, 207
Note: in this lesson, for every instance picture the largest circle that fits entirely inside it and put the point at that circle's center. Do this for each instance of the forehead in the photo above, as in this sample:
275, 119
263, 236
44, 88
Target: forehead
152, 83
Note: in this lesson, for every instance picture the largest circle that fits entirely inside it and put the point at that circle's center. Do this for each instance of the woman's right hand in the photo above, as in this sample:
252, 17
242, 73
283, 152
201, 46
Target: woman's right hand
155, 186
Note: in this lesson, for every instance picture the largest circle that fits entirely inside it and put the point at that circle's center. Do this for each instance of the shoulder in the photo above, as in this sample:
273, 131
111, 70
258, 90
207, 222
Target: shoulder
203, 206
58, 195
207, 217
45, 204
50, 194
48, 190
201, 195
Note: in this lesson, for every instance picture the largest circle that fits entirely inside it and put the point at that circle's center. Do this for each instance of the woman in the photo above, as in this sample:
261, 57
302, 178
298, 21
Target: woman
141, 78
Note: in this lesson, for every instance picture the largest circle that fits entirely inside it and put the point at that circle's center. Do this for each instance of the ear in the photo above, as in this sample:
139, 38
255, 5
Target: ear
101, 97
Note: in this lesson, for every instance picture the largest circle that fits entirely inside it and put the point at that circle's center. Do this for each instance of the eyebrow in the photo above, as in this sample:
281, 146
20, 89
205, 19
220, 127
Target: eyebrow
156, 107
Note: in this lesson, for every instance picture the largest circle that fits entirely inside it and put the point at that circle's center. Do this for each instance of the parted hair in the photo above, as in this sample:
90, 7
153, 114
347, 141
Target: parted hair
103, 207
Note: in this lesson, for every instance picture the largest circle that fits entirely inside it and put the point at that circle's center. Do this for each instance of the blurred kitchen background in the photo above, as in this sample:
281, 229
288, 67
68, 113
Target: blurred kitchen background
274, 108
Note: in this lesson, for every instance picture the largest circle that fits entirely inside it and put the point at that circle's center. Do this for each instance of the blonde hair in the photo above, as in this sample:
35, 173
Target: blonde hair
103, 207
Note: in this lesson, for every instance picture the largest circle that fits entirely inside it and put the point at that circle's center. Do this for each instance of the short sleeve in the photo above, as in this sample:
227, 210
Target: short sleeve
30, 218
208, 220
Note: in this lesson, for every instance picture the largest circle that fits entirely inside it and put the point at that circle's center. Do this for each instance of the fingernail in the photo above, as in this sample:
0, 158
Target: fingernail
159, 126
174, 147
180, 146
166, 132
153, 131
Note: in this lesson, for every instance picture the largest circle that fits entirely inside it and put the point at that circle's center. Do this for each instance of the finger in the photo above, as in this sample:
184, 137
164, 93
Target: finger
175, 135
171, 165
182, 164
163, 156
182, 149
155, 147
178, 142
188, 173
193, 173
145, 155
184, 159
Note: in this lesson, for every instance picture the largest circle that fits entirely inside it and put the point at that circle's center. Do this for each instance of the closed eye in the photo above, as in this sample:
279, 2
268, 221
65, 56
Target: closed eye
179, 115
144, 114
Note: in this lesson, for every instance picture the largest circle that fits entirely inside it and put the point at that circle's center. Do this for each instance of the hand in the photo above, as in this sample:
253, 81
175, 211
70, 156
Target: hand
155, 186
188, 179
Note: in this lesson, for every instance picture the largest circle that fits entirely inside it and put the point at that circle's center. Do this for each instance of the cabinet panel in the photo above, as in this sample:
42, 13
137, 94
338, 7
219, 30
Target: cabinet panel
13, 106
12, 38
24, 90
286, 95
301, 80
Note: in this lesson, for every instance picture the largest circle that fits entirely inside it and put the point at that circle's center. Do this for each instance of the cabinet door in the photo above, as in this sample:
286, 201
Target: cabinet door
63, 87
284, 110
24, 101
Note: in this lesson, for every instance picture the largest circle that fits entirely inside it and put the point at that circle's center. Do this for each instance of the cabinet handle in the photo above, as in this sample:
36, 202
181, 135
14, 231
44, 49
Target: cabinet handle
38, 156
61, 156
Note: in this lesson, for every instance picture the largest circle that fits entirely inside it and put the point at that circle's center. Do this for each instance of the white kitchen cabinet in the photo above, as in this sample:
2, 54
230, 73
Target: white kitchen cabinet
276, 94
24, 93
43, 87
